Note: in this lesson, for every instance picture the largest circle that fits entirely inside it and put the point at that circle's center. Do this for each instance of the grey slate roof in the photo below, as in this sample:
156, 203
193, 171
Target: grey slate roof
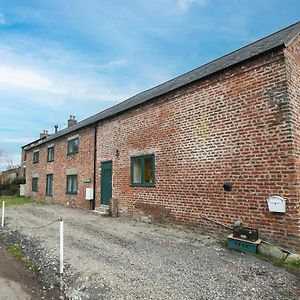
278, 39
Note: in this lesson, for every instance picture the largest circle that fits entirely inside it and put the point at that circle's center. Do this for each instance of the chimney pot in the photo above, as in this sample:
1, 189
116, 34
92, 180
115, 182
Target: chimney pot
72, 121
44, 134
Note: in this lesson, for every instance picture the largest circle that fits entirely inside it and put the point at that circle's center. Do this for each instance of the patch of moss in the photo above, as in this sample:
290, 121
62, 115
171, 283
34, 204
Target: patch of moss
293, 266
16, 251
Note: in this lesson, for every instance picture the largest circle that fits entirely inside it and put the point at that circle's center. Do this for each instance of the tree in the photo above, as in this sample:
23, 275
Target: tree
6, 162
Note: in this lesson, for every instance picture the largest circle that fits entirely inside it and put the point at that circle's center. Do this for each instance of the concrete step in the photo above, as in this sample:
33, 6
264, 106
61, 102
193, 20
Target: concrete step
103, 210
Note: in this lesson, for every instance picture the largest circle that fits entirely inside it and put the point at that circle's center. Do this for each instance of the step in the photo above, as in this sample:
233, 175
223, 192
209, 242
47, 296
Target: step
103, 210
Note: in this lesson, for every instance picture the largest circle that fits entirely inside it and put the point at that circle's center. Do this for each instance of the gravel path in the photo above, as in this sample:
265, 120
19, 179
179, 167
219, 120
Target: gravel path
120, 259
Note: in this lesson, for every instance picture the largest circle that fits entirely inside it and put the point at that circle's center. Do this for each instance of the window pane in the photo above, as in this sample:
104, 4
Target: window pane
50, 155
34, 184
74, 184
137, 171
148, 171
49, 184
35, 157
73, 146
69, 183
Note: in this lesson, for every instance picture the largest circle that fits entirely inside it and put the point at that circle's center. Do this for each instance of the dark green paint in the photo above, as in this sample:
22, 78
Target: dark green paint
106, 182
142, 158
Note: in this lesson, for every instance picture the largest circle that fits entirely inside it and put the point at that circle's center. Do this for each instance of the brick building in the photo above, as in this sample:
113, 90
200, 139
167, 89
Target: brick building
175, 150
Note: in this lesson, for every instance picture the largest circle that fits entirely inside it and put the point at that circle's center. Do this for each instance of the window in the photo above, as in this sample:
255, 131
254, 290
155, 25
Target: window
34, 184
36, 157
49, 185
143, 170
71, 184
50, 154
73, 146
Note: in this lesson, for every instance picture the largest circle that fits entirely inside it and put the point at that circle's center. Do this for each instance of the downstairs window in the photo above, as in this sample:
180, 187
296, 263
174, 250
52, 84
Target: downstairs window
143, 170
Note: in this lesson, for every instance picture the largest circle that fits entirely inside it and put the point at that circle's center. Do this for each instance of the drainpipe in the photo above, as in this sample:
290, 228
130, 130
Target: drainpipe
93, 202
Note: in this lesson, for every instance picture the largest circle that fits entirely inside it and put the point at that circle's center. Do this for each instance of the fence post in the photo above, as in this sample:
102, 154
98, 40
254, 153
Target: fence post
61, 246
3, 205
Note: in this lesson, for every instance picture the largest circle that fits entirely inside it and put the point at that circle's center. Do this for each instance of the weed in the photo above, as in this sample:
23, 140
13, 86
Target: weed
11, 200
17, 252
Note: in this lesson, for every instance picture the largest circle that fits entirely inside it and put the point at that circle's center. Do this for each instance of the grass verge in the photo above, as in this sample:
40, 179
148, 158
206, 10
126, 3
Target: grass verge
16, 251
293, 267
12, 200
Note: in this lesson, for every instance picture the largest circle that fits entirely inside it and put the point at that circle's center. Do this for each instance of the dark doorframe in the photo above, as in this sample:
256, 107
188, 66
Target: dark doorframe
106, 182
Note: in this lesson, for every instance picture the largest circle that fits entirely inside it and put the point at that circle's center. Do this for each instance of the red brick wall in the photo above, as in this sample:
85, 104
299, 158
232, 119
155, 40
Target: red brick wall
292, 54
241, 126
82, 161
235, 126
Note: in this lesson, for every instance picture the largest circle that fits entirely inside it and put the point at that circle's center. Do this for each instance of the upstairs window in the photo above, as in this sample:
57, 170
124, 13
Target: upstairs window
36, 157
49, 185
143, 170
73, 146
34, 184
72, 184
50, 154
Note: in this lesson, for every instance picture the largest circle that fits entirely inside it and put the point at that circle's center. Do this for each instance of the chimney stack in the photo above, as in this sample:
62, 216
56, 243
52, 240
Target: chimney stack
72, 121
44, 134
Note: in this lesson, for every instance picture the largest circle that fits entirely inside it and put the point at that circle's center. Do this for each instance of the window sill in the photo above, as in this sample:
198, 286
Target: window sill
72, 153
72, 193
142, 184
50, 160
36, 162
48, 195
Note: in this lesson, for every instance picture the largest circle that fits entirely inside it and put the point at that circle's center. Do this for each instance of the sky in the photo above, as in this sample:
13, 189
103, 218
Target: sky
78, 57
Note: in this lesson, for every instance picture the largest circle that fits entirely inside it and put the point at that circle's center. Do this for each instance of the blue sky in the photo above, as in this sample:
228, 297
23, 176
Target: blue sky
79, 57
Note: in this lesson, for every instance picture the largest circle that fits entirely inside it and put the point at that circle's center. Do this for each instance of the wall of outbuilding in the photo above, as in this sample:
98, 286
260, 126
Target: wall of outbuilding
235, 127
240, 126
292, 57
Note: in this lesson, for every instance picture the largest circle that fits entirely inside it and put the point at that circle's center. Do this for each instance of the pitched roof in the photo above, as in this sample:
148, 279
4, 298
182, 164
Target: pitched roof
278, 39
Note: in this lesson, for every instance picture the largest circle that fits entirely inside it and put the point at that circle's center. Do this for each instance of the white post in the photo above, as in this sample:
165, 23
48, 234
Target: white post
61, 247
3, 205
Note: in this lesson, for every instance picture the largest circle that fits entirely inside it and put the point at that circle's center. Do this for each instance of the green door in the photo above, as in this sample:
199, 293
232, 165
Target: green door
106, 182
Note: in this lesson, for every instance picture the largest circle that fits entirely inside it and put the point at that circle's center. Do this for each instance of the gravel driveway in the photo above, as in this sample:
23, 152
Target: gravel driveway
121, 259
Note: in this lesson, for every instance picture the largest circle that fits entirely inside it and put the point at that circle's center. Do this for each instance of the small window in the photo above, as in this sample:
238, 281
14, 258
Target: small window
71, 184
73, 146
143, 170
36, 157
49, 185
34, 184
50, 154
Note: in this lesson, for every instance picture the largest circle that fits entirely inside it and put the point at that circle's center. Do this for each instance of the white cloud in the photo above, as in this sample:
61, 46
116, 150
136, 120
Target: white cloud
184, 5
27, 79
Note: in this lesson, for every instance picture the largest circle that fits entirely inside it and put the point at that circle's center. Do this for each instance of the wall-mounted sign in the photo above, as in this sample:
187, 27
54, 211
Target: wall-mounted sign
276, 204
87, 180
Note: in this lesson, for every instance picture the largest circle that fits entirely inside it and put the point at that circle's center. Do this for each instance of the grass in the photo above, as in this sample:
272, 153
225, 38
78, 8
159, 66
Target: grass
293, 267
16, 251
13, 200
